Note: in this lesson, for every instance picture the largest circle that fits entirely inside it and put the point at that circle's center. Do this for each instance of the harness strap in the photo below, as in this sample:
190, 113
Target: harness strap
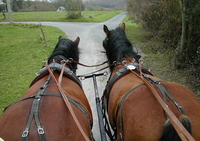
182, 132
34, 114
165, 93
75, 103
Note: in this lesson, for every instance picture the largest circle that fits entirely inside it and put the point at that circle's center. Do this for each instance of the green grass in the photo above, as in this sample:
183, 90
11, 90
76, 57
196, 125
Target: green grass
21, 56
87, 16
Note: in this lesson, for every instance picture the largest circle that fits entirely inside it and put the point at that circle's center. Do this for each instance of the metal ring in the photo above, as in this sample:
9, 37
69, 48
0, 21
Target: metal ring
105, 73
82, 77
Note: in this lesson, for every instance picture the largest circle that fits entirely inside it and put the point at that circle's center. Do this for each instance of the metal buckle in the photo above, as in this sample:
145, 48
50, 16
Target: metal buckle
40, 130
25, 133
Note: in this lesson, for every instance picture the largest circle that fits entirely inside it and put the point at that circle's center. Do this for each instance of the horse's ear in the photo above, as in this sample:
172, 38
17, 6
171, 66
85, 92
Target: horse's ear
123, 26
59, 38
76, 42
105, 28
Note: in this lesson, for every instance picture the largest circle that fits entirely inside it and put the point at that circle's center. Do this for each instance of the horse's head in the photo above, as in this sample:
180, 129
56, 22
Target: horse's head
117, 46
64, 50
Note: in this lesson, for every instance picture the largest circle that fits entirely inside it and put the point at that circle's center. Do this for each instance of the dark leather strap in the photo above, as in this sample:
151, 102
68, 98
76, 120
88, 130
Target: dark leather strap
34, 114
75, 103
165, 93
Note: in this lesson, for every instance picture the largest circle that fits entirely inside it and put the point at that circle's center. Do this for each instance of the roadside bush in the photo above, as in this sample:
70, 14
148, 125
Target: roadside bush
160, 17
73, 15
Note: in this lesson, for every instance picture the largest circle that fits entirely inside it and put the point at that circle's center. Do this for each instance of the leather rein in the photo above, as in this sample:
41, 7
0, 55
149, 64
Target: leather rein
63, 94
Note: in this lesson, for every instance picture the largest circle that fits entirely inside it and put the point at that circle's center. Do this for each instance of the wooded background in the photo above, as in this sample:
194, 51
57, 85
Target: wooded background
176, 23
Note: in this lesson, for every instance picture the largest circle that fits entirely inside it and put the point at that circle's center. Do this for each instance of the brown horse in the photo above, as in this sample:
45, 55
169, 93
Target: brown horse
134, 113
41, 113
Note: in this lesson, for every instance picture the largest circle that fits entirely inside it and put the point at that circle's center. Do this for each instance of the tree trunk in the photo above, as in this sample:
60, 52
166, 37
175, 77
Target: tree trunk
182, 54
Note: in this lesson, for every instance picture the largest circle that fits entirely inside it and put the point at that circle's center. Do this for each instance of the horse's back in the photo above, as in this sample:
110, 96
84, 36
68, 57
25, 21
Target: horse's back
54, 116
143, 118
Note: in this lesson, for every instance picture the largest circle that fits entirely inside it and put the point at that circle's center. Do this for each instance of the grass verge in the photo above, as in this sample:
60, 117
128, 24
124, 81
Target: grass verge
21, 56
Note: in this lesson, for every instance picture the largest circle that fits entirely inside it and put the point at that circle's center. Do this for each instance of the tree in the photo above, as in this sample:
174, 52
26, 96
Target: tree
190, 45
74, 8
3, 8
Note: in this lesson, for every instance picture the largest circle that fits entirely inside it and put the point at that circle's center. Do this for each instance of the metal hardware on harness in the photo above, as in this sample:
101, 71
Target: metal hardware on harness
25, 133
98, 105
40, 130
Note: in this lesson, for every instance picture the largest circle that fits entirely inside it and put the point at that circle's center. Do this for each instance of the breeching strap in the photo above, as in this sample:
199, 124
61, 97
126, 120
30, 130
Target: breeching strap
63, 93
182, 132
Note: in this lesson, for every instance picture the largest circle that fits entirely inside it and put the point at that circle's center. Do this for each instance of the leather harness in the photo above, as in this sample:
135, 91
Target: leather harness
35, 105
133, 66
58, 67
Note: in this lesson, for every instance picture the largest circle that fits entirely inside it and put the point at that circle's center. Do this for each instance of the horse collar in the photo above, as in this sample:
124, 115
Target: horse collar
123, 71
58, 67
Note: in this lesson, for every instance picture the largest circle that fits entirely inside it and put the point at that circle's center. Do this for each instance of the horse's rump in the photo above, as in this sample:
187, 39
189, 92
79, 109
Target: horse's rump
136, 113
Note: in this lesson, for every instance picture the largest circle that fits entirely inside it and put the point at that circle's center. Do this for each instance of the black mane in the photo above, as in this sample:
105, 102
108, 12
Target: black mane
65, 49
118, 47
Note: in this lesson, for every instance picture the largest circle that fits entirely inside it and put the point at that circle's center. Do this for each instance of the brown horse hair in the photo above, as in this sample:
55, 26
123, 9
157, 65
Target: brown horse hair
169, 132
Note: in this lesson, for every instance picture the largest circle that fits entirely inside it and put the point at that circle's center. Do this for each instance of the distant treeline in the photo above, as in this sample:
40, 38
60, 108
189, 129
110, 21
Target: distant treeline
106, 5
31, 6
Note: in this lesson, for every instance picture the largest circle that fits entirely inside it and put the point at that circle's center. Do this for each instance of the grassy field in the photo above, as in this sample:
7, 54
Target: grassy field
21, 56
87, 16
